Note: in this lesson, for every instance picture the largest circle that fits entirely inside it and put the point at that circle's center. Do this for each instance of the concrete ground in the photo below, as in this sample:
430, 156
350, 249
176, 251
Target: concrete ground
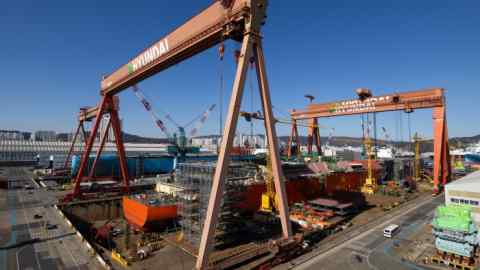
367, 248
167, 256
26, 243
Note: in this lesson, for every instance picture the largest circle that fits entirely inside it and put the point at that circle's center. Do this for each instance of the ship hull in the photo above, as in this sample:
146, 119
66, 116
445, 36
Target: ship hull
145, 216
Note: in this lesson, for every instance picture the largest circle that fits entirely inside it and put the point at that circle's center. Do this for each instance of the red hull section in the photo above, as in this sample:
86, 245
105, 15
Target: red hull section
141, 215
297, 191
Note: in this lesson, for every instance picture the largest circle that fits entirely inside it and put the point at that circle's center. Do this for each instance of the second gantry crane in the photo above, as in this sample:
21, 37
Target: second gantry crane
399, 101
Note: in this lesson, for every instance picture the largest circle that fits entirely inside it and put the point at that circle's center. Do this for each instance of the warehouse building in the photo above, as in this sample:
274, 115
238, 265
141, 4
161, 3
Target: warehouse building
465, 191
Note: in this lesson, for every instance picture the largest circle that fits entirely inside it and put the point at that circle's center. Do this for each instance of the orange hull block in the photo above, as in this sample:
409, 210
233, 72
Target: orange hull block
141, 215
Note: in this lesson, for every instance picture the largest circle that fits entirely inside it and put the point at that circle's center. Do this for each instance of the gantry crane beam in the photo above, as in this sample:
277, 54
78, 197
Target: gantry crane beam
239, 20
89, 113
221, 20
400, 101
423, 99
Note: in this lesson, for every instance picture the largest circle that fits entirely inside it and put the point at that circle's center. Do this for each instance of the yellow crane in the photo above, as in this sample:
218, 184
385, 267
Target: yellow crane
418, 172
269, 197
417, 175
370, 185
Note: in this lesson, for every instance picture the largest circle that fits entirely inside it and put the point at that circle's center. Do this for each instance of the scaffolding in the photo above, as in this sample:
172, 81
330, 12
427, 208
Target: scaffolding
196, 180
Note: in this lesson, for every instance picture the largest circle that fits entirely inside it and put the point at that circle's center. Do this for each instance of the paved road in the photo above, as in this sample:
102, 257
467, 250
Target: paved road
56, 248
369, 249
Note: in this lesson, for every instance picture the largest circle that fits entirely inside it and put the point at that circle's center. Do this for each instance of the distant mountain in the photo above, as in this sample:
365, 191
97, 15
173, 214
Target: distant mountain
426, 146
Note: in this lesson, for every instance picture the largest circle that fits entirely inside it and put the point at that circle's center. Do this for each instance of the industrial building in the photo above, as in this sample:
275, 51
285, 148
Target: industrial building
20, 150
14, 135
45, 136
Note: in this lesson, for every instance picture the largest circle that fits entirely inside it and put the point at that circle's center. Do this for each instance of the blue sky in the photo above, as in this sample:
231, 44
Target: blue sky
53, 54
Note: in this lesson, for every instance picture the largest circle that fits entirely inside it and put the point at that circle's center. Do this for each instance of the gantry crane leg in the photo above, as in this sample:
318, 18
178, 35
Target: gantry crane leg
99, 150
122, 159
84, 132
293, 136
441, 164
272, 138
72, 146
310, 139
316, 136
313, 136
248, 48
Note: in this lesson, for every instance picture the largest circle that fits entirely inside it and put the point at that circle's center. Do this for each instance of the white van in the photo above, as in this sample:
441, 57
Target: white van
390, 230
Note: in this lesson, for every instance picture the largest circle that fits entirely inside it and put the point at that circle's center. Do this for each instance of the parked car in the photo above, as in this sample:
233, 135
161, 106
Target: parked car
37, 216
116, 232
51, 226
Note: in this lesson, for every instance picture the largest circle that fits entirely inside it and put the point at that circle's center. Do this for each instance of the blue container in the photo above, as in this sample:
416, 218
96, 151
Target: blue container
108, 165
472, 158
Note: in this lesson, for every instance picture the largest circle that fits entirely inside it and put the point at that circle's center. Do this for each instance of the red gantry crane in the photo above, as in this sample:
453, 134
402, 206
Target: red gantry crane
238, 20
80, 128
399, 101
86, 114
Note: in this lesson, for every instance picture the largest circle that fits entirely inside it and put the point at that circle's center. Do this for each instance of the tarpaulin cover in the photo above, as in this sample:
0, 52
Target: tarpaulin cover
453, 217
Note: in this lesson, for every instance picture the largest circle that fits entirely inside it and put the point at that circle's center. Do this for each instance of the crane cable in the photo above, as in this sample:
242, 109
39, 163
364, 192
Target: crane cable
221, 51
252, 67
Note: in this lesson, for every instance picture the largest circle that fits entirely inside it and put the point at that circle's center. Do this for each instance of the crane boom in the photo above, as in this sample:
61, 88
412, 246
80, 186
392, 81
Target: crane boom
202, 120
196, 35
148, 108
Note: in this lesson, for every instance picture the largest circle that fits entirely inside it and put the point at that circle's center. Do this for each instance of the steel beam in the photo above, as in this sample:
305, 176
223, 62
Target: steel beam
88, 148
293, 136
99, 150
85, 136
72, 146
440, 149
117, 131
277, 172
422, 99
218, 184
200, 32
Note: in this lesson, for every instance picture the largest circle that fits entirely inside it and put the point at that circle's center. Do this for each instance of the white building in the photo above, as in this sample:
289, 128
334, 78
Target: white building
212, 142
385, 152
257, 141
13, 135
45, 136
103, 129
465, 191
